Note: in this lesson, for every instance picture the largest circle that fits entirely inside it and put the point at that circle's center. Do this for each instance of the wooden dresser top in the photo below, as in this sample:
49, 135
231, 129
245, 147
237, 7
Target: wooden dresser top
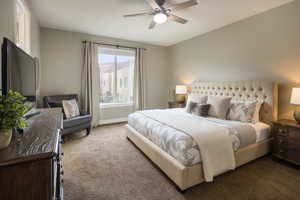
38, 141
287, 122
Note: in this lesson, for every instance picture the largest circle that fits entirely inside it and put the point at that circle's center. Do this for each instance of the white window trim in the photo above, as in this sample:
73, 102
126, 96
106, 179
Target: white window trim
114, 105
27, 26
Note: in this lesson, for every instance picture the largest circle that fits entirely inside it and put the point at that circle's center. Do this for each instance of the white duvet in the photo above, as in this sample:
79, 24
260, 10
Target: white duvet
213, 137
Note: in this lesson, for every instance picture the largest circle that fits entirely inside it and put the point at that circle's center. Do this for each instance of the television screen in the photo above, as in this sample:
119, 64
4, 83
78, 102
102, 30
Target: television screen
18, 70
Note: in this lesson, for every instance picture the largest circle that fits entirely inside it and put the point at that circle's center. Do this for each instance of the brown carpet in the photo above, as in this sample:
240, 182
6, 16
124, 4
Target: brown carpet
106, 166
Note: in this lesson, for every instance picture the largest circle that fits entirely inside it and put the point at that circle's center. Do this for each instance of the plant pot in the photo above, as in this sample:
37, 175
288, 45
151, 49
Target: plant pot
5, 138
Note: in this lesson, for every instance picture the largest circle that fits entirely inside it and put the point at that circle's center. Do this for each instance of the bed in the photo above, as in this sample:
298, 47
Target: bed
181, 162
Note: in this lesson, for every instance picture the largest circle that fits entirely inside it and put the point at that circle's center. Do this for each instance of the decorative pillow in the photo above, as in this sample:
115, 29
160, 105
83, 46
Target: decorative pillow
198, 109
257, 111
190, 106
201, 110
242, 111
218, 106
70, 108
201, 99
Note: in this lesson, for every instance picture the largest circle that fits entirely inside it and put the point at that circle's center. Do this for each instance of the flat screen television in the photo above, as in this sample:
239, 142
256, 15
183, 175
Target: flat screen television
18, 71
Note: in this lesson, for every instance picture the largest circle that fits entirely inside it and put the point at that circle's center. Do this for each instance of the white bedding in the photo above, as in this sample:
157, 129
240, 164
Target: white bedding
212, 136
182, 146
263, 131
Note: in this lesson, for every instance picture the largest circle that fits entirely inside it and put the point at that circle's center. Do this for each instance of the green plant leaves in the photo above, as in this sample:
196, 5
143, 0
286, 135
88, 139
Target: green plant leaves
12, 111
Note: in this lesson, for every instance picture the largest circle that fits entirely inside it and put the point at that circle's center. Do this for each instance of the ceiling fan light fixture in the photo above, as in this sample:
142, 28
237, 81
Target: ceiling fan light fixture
160, 18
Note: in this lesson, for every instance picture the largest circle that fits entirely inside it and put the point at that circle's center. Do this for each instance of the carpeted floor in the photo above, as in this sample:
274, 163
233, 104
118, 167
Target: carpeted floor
106, 166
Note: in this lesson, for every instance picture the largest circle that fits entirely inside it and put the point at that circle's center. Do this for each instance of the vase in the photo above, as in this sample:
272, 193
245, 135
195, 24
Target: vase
297, 116
5, 138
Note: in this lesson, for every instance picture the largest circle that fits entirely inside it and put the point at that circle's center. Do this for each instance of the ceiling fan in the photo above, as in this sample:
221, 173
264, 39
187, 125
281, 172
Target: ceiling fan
161, 14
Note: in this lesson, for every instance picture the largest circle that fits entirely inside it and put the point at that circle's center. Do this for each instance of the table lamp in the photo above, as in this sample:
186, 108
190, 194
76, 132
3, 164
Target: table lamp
295, 99
180, 92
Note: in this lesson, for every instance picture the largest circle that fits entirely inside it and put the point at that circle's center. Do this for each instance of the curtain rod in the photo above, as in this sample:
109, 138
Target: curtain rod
114, 45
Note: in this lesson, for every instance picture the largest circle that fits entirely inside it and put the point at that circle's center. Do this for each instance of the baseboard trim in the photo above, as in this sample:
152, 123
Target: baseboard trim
112, 121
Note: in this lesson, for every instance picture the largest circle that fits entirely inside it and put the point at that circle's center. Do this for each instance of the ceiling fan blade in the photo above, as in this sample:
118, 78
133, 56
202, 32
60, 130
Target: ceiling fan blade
139, 14
152, 24
177, 19
153, 4
183, 5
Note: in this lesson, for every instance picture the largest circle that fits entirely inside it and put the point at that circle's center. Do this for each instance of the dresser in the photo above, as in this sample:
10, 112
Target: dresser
174, 104
30, 168
286, 144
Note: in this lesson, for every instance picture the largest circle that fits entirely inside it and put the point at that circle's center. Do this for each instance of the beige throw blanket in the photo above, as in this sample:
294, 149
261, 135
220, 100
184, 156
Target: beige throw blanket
213, 140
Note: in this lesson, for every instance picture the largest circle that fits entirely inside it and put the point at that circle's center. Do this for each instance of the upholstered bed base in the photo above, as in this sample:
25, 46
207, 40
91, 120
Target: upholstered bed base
185, 177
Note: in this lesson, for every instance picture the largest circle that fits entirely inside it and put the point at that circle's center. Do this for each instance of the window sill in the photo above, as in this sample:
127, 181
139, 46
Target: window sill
115, 106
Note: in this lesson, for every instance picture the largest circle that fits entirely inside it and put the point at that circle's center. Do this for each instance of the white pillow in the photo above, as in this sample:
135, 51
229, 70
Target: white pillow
70, 108
197, 98
218, 106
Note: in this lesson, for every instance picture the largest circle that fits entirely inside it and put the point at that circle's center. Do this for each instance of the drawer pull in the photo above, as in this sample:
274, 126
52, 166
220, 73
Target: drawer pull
280, 141
281, 151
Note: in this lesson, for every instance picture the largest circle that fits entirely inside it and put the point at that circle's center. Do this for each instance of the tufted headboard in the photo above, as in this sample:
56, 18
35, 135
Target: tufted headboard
265, 91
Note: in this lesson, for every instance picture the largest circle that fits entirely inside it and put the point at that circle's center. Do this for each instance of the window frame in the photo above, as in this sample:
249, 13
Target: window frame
115, 84
24, 41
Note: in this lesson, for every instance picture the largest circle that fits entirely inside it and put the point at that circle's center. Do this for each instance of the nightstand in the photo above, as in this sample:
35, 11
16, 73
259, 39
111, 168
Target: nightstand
286, 143
174, 104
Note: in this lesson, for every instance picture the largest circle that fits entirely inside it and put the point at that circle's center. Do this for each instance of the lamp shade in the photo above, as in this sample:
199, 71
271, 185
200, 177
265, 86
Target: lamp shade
181, 89
295, 98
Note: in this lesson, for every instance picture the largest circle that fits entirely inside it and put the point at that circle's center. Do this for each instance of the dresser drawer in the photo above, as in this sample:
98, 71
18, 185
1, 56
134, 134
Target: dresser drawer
294, 145
281, 130
280, 140
294, 134
293, 156
280, 151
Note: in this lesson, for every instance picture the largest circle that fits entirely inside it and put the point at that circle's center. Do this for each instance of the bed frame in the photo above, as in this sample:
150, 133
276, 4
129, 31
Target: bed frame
187, 176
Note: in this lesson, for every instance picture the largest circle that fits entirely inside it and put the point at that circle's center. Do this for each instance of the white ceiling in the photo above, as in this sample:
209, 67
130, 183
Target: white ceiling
104, 17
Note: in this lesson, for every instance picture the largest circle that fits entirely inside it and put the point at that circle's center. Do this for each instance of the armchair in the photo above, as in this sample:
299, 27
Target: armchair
69, 125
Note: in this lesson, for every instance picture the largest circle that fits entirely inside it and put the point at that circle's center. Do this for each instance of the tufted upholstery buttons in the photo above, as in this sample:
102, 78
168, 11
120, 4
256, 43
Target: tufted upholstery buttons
243, 90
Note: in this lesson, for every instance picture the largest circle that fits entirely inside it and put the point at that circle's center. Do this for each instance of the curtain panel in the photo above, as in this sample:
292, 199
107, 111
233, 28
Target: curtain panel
90, 82
140, 81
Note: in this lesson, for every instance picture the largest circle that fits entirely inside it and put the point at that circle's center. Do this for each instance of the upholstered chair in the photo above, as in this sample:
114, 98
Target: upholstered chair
78, 123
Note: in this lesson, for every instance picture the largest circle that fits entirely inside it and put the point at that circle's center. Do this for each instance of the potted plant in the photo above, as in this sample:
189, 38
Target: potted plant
12, 111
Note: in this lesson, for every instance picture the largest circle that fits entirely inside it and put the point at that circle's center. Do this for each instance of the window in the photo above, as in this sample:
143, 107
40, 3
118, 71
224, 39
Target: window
116, 76
22, 31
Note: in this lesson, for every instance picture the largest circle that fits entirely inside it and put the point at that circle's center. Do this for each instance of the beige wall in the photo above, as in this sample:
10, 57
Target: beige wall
7, 26
266, 46
7, 19
61, 53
